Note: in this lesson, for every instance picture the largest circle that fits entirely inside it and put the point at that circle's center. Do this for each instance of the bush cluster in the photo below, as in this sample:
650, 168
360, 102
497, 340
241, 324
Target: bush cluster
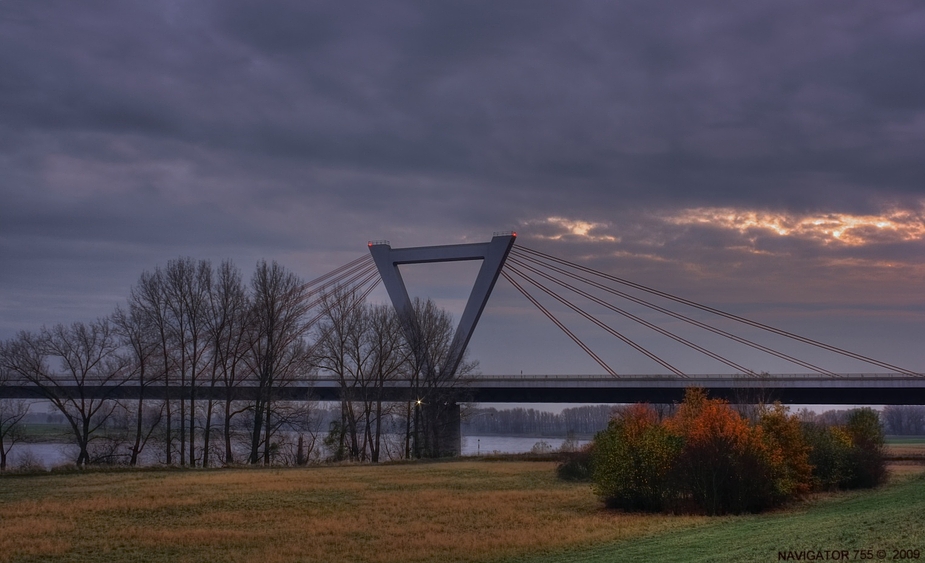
849, 456
575, 465
707, 458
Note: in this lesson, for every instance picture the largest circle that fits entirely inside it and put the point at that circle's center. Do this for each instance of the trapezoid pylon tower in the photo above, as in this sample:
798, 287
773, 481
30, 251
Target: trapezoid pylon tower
493, 255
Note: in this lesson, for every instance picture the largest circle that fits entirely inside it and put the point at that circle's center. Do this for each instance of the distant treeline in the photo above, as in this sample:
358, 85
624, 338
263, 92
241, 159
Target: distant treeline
897, 420
585, 420
903, 420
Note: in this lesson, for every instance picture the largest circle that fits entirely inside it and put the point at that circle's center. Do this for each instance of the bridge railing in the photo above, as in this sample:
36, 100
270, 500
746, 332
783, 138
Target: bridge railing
329, 381
692, 376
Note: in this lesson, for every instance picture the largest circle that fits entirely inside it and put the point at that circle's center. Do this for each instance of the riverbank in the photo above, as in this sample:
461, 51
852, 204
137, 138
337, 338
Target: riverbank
47, 453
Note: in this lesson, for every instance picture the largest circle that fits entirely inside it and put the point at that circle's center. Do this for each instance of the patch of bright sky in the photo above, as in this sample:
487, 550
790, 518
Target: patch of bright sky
578, 228
829, 228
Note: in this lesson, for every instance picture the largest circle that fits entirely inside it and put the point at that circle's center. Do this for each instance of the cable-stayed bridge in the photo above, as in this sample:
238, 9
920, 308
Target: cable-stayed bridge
575, 288
542, 279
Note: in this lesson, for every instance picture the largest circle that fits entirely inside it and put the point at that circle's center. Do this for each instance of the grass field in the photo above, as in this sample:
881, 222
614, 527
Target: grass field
909, 446
454, 511
889, 520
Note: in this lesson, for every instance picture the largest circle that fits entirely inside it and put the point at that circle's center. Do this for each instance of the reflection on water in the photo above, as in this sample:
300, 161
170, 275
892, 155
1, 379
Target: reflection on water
45, 455
482, 445
51, 455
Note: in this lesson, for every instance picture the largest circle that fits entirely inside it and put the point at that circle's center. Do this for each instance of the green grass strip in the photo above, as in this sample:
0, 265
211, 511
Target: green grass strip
866, 525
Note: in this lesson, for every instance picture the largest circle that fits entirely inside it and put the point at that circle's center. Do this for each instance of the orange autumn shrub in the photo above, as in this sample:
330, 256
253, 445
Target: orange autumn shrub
706, 458
726, 465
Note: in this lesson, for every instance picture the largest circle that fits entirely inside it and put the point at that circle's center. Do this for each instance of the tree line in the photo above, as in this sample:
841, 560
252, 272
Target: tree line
897, 420
583, 420
189, 326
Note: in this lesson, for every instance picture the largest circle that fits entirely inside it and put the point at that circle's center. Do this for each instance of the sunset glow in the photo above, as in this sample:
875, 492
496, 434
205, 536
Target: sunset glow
577, 228
828, 228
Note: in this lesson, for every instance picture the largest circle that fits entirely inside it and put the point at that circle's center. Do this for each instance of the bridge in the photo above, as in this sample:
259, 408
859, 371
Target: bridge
795, 389
555, 278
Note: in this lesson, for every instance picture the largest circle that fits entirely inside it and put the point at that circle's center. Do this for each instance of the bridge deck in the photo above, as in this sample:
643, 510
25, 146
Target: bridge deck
870, 389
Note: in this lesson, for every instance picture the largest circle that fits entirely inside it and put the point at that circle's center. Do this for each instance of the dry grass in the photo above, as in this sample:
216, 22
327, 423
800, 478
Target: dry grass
910, 447
905, 469
461, 511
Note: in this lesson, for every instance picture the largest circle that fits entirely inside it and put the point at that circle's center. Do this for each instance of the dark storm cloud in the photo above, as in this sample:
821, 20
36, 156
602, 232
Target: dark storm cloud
636, 101
135, 132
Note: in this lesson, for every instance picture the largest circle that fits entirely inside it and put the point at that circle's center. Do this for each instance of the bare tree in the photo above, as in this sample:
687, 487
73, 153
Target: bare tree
89, 371
388, 358
339, 352
227, 327
904, 419
149, 297
139, 335
188, 284
12, 411
278, 352
362, 346
365, 348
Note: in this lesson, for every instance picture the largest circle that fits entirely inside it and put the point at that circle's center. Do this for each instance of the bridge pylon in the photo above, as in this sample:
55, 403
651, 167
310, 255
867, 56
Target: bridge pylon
444, 414
493, 255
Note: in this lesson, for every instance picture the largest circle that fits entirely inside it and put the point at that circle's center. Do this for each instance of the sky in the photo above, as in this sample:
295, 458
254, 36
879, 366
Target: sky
765, 158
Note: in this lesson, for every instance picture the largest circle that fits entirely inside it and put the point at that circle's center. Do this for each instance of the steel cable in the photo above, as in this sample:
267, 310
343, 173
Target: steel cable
635, 318
561, 326
597, 322
726, 315
686, 319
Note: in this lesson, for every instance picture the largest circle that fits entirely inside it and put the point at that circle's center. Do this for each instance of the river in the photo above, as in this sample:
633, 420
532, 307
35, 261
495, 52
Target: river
50, 455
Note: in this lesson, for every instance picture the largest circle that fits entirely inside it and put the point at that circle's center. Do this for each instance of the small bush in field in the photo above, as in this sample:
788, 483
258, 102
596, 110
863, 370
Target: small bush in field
867, 459
634, 460
576, 465
849, 456
829, 455
541, 447
785, 432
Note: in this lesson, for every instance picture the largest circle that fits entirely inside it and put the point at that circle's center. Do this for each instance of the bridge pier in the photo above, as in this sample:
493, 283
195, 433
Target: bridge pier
445, 436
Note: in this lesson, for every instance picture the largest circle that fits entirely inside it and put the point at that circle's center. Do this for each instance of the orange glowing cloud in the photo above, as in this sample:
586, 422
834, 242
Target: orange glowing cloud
577, 228
828, 228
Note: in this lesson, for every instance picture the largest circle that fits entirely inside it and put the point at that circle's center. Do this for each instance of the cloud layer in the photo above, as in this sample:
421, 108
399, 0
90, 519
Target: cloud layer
766, 155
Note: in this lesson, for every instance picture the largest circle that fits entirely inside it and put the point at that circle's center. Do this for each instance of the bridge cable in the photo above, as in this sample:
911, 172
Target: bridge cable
375, 283
344, 271
561, 326
600, 324
726, 315
633, 317
335, 271
348, 282
370, 276
686, 319
359, 266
